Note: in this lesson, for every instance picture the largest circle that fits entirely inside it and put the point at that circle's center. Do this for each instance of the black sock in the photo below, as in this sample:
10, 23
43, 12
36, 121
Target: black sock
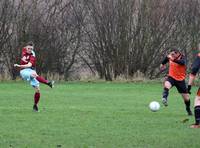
187, 104
197, 114
165, 93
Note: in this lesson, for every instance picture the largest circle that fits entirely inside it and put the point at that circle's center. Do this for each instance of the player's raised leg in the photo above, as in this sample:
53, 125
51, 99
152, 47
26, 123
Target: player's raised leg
167, 86
42, 80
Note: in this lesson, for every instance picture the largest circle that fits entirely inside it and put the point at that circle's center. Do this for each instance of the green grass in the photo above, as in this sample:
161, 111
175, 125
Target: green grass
93, 115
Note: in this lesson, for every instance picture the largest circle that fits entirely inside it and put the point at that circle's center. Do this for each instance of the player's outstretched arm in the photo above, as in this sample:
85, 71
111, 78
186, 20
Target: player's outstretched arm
23, 66
163, 64
165, 60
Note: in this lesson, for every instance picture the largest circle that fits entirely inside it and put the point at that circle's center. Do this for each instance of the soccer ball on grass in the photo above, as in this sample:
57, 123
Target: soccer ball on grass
154, 106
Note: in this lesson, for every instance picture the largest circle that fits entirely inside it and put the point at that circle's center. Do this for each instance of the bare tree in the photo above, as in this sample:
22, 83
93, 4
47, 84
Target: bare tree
112, 37
7, 14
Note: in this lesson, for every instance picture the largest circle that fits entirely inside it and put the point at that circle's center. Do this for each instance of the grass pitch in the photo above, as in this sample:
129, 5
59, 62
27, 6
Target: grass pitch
94, 115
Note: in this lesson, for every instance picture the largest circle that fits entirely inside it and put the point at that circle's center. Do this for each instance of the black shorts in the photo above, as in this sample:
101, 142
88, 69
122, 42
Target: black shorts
180, 85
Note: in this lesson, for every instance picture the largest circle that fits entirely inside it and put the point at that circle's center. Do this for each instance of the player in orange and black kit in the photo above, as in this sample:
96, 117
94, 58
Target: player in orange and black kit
195, 69
176, 77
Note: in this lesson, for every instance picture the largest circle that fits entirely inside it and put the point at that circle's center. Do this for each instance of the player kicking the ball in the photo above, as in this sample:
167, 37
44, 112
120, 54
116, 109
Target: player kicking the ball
195, 69
176, 77
28, 73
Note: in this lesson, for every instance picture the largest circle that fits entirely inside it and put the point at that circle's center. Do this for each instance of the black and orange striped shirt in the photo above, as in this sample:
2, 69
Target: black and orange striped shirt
177, 68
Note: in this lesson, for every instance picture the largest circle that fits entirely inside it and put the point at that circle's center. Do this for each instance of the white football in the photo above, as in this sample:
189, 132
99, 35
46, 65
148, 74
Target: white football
154, 106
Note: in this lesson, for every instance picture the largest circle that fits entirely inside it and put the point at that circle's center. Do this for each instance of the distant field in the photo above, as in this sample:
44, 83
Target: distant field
93, 115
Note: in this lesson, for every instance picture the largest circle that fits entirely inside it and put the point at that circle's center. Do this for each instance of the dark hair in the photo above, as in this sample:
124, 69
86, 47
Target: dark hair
30, 43
174, 49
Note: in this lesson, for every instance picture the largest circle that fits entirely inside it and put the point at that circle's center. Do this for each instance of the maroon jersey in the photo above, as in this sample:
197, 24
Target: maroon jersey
26, 58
